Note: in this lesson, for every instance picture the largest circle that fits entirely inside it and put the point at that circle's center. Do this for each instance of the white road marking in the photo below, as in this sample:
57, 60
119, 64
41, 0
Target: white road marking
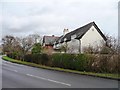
33, 75
49, 80
15, 70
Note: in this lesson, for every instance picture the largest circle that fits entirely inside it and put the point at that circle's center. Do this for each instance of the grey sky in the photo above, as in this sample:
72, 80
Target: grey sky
50, 17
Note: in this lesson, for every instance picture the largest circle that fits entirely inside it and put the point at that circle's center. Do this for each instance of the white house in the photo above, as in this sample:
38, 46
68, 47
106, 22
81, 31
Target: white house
77, 40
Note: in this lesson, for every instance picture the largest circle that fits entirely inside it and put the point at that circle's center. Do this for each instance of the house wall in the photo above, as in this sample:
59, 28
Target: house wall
92, 38
73, 46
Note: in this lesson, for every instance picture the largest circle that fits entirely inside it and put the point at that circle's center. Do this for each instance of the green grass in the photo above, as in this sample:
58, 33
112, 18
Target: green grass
104, 75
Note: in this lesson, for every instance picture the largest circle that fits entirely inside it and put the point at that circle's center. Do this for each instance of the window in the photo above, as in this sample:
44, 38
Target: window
73, 36
65, 39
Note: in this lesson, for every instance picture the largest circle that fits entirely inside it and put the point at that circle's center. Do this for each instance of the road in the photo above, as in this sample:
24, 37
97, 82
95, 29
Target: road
21, 76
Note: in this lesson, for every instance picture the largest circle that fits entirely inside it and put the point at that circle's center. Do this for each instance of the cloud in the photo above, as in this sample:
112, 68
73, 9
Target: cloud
48, 17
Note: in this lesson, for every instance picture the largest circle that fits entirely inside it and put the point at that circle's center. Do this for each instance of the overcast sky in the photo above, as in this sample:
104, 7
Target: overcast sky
50, 17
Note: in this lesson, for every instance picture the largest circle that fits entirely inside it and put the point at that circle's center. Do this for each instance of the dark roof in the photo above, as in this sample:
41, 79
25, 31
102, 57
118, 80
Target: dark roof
59, 39
80, 32
49, 40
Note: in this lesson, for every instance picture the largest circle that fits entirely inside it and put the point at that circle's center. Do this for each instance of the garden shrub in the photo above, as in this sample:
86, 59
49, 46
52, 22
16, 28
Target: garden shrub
92, 60
70, 61
66, 60
103, 63
44, 59
28, 58
37, 58
81, 62
99, 63
56, 60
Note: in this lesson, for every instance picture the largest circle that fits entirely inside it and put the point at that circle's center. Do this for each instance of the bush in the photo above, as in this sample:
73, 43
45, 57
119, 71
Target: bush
44, 59
9, 55
56, 59
103, 63
70, 61
106, 50
37, 48
81, 62
62, 60
99, 63
37, 58
14, 55
28, 58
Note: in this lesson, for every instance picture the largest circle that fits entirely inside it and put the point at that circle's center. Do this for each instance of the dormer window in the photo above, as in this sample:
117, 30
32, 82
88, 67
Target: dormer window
73, 36
59, 41
65, 39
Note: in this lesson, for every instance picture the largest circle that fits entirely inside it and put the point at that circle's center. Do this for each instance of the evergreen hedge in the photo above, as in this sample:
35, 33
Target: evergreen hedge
37, 58
80, 62
70, 61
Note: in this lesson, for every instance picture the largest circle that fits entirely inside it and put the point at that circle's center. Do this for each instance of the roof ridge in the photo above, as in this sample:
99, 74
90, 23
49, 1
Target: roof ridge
82, 26
78, 30
50, 36
86, 25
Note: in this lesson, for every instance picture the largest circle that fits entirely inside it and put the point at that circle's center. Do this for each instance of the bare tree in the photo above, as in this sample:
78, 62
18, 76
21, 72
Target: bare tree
36, 38
8, 43
113, 44
26, 44
20, 46
89, 49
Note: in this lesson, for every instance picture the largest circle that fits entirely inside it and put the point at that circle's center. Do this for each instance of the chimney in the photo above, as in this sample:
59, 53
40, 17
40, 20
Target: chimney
65, 31
53, 35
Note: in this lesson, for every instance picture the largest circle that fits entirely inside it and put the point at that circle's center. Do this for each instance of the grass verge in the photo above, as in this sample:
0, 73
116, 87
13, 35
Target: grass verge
102, 75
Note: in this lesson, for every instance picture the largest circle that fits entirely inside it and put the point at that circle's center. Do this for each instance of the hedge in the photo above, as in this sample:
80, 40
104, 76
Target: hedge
80, 62
37, 58
70, 61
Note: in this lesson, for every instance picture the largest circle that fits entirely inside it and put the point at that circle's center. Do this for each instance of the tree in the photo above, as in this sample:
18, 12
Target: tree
11, 46
90, 49
112, 44
37, 48
19, 47
26, 44
8, 43
37, 38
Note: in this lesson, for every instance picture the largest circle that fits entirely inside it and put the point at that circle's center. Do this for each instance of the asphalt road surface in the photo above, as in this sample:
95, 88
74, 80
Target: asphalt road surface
21, 76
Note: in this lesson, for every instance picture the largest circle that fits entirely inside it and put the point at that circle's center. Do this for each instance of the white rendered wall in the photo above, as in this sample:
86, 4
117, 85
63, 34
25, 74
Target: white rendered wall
92, 38
73, 46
